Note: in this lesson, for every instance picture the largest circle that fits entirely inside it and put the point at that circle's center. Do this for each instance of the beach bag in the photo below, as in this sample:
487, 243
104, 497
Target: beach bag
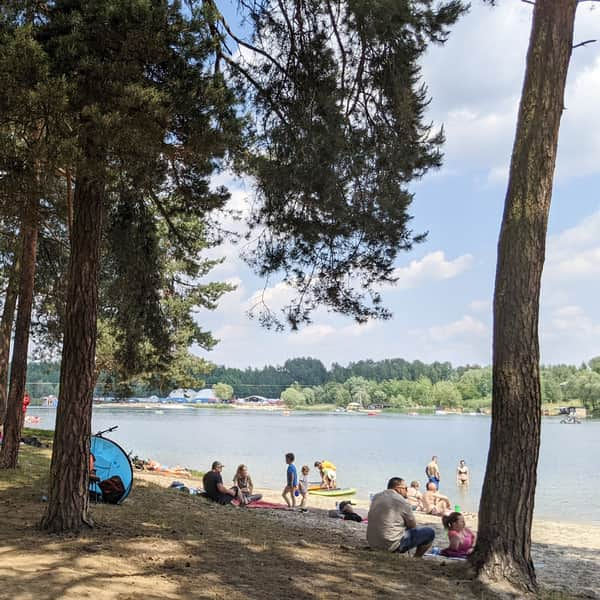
112, 489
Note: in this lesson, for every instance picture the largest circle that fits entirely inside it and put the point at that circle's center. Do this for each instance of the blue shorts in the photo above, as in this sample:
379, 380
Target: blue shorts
417, 536
436, 481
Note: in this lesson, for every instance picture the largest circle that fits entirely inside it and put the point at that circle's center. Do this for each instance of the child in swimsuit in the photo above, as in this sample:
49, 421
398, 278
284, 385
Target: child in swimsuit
461, 539
303, 485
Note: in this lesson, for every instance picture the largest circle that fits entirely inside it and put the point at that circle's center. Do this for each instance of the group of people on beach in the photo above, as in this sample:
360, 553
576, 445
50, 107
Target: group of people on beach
391, 524
242, 489
431, 501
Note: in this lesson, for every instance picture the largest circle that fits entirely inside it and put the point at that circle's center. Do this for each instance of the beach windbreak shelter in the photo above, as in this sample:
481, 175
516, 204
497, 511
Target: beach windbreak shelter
111, 459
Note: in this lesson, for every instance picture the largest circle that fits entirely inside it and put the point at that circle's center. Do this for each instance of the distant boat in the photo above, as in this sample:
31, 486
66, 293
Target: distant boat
373, 413
571, 420
413, 414
441, 412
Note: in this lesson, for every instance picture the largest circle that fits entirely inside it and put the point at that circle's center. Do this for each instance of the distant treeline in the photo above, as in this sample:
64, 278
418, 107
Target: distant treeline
392, 382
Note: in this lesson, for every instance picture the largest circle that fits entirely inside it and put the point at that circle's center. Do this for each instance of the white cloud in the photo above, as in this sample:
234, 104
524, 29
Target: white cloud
579, 144
465, 327
481, 305
479, 109
432, 267
574, 254
275, 297
498, 175
312, 334
573, 320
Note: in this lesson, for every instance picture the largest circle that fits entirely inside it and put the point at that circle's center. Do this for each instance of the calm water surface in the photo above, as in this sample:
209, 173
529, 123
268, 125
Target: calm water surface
366, 450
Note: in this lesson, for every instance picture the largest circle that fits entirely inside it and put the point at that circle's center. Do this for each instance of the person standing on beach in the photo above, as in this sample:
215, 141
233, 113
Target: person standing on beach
303, 485
291, 484
26, 403
391, 522
432, 471
462, 473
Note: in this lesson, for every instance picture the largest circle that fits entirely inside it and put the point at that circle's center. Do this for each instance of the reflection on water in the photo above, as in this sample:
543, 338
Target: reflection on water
366, 450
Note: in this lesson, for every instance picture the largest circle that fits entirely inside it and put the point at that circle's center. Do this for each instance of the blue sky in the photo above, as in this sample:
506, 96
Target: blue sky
442, 301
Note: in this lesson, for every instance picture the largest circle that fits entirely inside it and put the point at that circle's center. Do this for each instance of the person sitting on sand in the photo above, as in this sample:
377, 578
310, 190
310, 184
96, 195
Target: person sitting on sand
328, 473
243, 482
433, 502
462, 473
212, 482
461, 540
414, 496
348, 513
392, 524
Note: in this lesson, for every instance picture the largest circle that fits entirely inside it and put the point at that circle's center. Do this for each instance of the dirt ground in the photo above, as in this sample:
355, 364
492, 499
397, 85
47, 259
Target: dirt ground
162, 543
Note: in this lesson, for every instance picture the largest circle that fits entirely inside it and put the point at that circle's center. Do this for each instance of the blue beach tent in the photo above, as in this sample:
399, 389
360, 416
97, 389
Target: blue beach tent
111, 459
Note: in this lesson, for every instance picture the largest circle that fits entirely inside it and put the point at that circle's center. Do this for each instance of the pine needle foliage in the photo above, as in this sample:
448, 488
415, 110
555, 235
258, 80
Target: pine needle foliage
340, 135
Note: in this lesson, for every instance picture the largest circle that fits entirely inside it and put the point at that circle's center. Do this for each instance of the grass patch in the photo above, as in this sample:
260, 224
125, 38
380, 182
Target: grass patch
44, 435
32, 474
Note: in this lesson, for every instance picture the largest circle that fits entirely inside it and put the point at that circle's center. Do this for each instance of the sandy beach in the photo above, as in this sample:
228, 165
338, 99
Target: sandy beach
566, 555
166, 544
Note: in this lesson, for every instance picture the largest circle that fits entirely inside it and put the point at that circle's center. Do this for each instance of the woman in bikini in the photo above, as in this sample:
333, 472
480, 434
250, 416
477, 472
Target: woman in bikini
462, 473
245, 487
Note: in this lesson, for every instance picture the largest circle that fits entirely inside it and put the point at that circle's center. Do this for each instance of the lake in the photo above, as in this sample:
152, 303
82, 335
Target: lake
366, 450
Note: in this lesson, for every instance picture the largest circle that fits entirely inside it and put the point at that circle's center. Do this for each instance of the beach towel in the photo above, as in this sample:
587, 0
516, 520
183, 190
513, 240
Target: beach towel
265, 504
435, 553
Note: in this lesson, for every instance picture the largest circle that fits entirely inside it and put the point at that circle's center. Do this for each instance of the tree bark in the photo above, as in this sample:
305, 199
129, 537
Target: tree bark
503, 549
6, 327
13, 423
68, 498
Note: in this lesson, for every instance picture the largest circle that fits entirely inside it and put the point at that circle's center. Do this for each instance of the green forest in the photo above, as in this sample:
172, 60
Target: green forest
391, 383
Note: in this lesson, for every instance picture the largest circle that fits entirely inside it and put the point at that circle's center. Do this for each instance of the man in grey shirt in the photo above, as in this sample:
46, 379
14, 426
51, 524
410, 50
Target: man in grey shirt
392, 524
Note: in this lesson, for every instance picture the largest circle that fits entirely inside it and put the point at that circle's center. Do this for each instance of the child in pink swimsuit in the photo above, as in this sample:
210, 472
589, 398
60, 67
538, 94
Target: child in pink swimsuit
461, 539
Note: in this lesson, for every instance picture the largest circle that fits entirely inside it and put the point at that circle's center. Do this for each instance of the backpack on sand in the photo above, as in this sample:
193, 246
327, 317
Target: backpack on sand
112, 489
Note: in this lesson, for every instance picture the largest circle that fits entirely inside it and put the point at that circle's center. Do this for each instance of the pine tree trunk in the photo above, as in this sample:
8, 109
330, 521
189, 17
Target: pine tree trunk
13, 422
503, 550
6, 327
68, 498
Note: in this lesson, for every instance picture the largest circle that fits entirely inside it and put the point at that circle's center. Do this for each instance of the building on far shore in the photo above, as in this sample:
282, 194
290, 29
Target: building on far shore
205, 396
256, 400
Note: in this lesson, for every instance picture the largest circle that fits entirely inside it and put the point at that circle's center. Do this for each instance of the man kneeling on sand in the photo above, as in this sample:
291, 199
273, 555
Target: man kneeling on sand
433, 502
392, 524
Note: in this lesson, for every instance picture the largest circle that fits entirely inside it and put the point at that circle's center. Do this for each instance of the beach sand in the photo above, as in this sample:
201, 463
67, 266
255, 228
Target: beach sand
566, 554
165, 544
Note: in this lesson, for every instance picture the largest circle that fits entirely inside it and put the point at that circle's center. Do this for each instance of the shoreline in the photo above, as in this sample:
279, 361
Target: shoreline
163, 543
318, 409
328, 503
